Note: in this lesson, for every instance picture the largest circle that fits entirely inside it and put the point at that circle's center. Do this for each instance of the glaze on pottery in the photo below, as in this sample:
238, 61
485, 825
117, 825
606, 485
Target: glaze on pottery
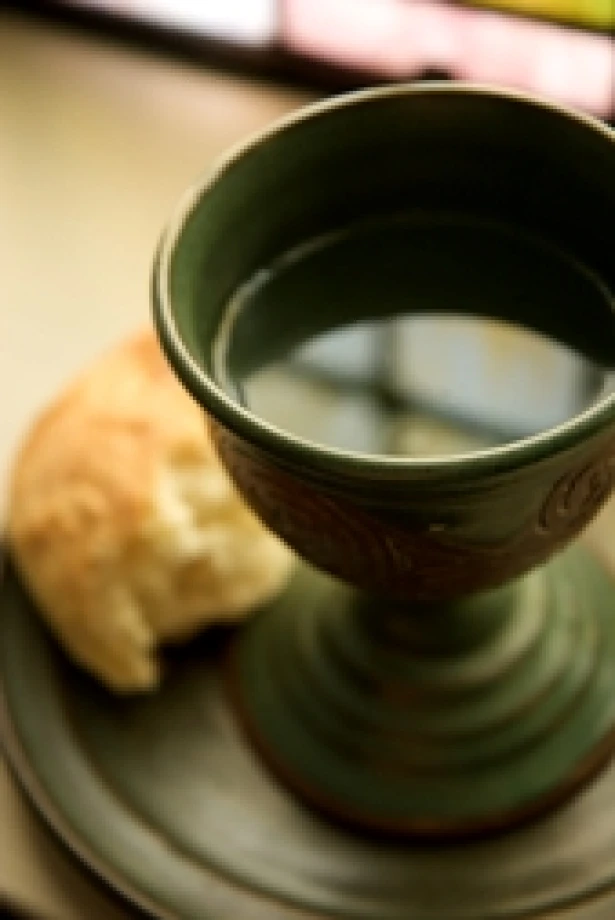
459, 694
426, 544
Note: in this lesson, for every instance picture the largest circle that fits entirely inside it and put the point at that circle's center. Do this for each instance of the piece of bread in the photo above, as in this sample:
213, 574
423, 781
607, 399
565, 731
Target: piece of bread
125, 527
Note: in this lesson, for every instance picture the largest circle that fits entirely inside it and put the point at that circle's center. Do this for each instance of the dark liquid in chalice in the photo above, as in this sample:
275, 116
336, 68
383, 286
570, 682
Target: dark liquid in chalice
418, 336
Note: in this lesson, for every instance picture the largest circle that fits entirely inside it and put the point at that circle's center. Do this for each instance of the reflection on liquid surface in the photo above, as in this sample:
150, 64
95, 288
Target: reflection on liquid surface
418, 335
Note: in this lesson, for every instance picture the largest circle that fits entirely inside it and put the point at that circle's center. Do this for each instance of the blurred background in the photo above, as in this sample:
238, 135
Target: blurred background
557, 48
109, 109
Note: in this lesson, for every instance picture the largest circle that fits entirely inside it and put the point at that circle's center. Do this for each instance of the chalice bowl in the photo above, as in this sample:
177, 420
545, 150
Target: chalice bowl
442, 666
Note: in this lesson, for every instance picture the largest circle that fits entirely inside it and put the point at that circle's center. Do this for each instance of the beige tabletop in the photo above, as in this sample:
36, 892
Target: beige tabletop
97, 142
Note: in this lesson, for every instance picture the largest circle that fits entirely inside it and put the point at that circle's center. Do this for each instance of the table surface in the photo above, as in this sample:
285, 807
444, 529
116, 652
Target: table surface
97, 143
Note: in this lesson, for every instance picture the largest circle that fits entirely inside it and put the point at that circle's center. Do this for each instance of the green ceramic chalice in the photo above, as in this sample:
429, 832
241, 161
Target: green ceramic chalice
451, 677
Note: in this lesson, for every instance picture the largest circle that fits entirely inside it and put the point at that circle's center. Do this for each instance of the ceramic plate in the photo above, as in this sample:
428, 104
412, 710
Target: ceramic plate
163, 799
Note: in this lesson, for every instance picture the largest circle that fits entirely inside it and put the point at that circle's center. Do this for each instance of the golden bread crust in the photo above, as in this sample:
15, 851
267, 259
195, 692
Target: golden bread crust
123, 524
